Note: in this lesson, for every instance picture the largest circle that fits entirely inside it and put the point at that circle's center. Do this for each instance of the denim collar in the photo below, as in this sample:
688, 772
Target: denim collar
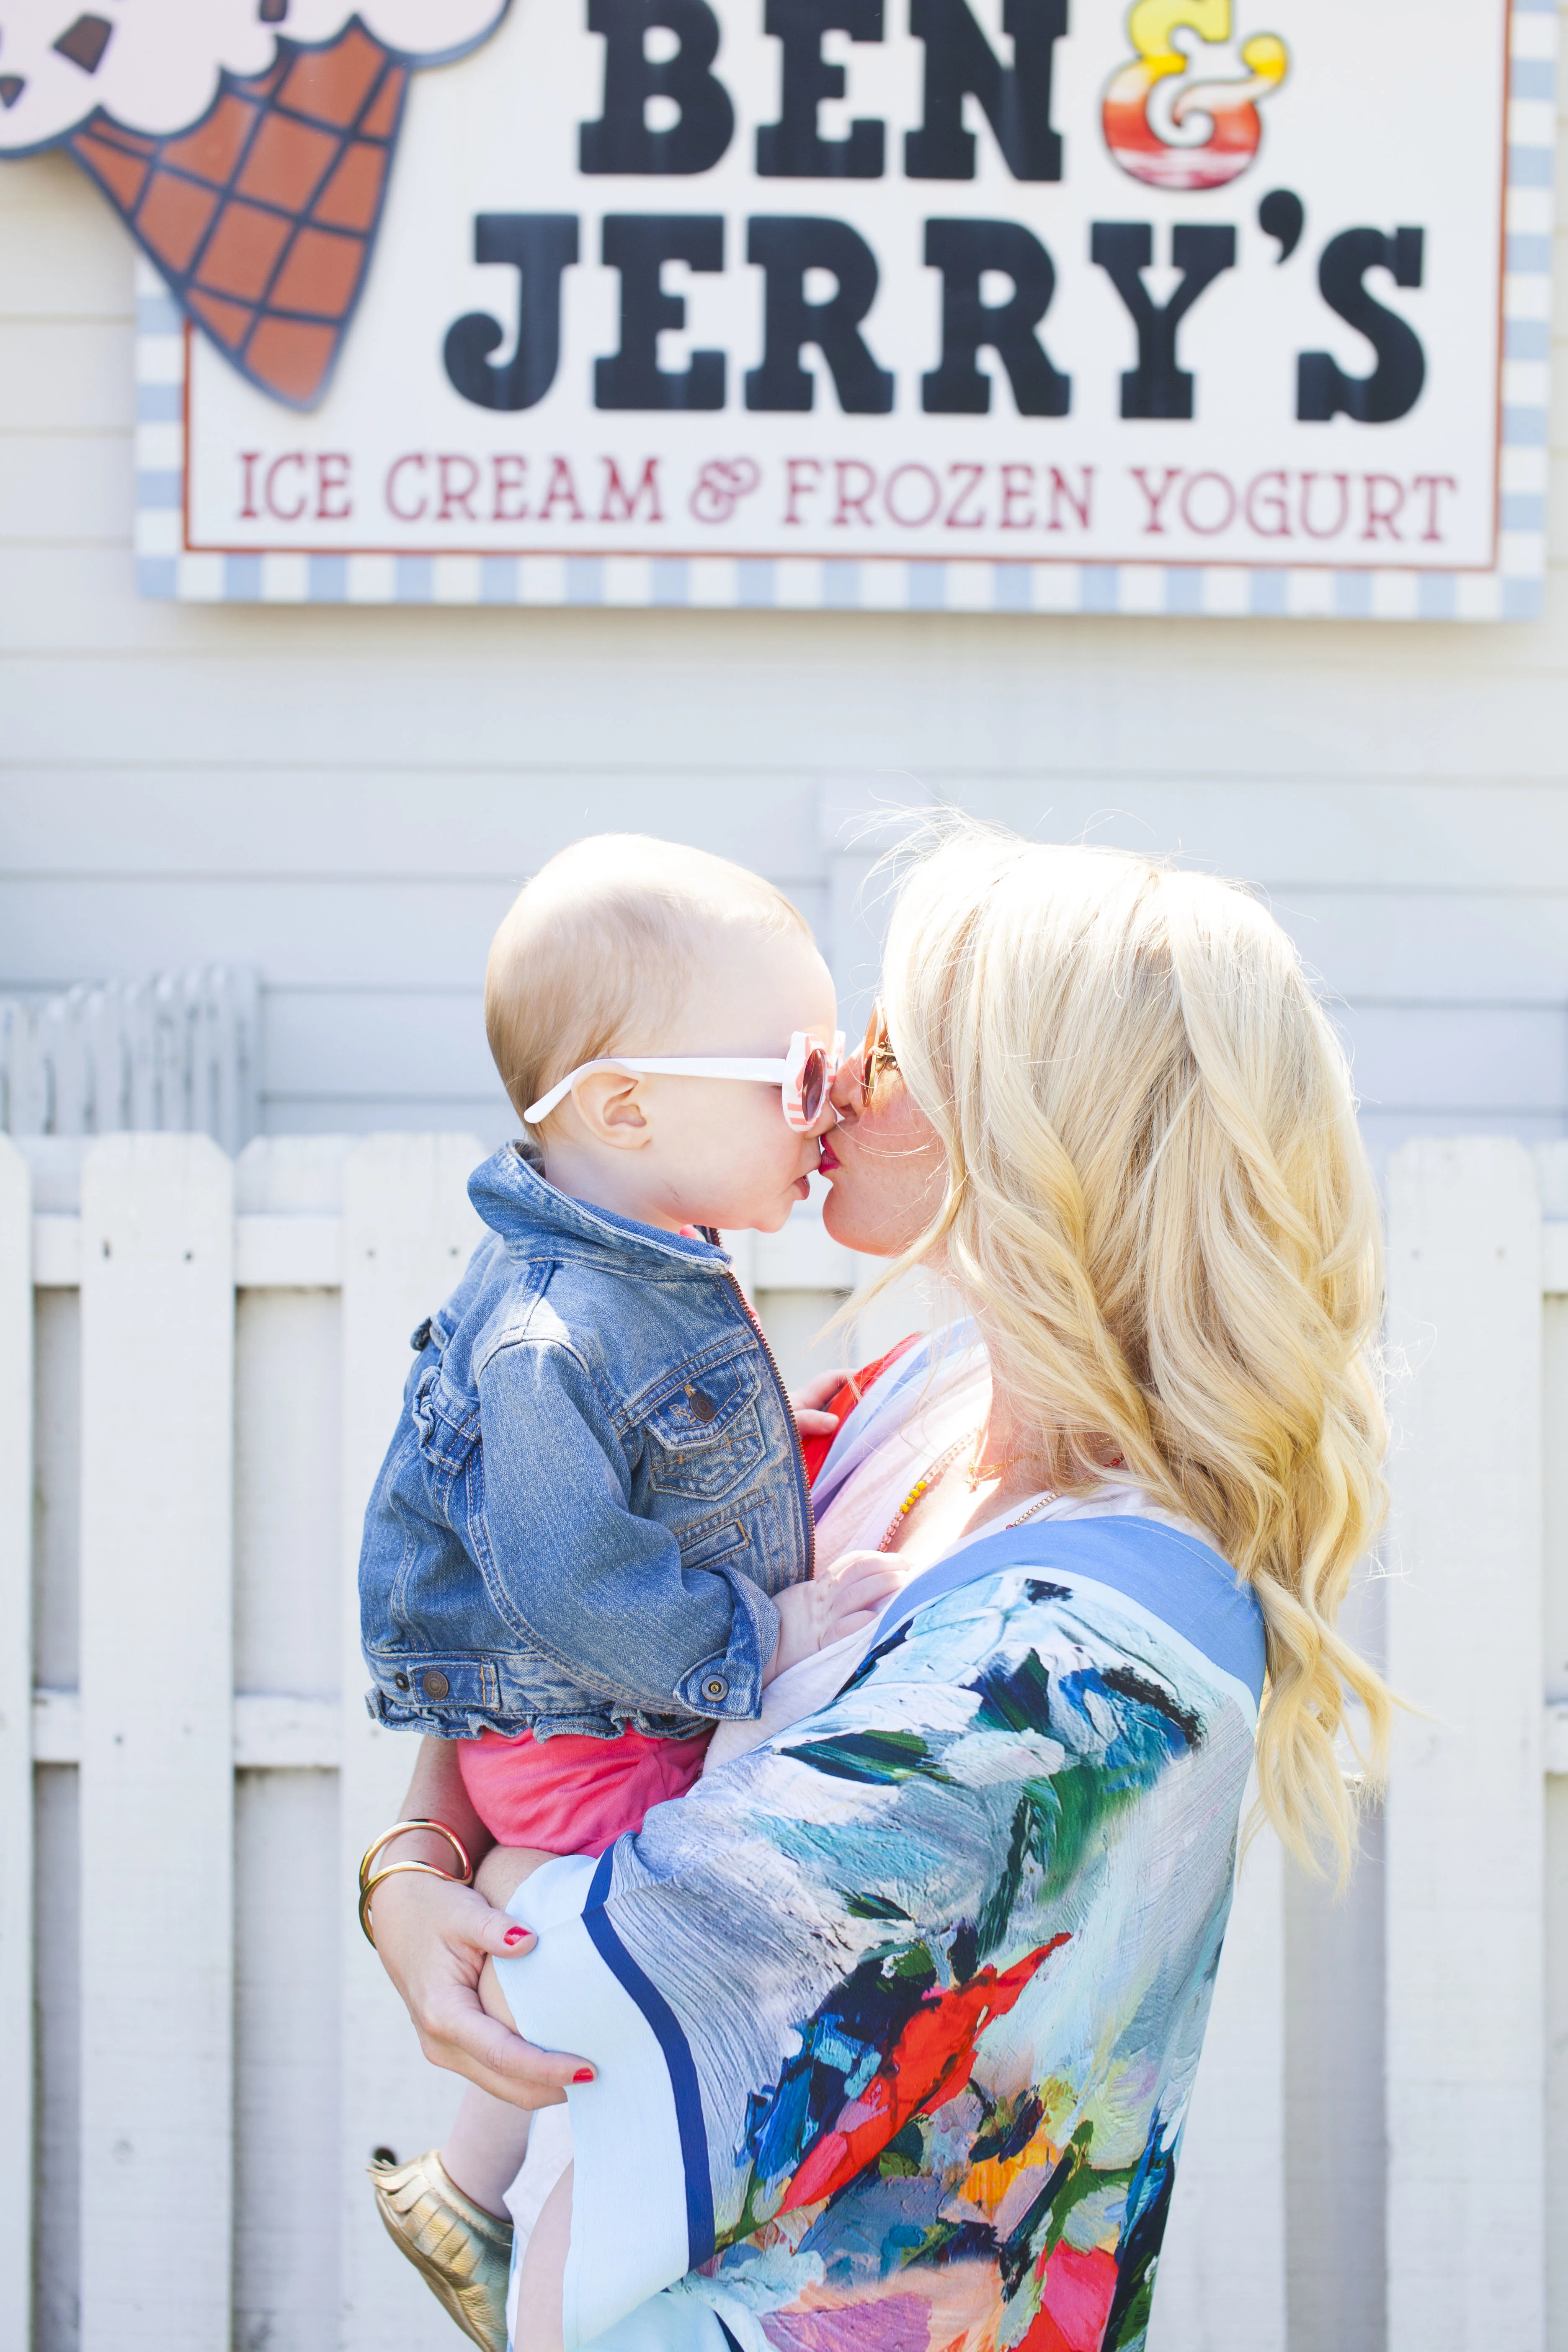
513, 1197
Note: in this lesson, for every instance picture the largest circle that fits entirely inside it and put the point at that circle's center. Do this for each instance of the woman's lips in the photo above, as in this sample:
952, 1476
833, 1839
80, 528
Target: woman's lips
829, 1160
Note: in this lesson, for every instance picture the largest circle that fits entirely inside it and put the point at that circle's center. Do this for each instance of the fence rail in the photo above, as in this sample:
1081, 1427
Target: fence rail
212, 1353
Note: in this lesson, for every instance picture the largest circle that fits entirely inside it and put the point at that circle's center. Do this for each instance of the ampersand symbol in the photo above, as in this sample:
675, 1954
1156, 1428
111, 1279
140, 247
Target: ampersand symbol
720, 486
1155, 109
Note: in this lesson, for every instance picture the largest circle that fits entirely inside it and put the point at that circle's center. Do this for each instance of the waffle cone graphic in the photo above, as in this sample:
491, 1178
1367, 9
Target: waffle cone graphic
262, 215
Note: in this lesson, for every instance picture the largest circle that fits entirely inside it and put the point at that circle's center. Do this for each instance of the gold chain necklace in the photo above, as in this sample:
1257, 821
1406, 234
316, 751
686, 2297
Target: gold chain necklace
979, 1473
1037, 1504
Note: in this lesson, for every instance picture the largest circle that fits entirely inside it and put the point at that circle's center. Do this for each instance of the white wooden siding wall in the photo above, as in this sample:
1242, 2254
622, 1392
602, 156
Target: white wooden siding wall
347, 798
198, 1707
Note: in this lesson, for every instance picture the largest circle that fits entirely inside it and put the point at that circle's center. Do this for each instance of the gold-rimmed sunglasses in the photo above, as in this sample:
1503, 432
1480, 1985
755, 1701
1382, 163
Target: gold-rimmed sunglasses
875, 1058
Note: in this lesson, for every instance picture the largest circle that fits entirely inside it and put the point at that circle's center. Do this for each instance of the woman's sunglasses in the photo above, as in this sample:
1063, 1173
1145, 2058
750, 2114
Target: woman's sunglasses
876, 1056
805, 1078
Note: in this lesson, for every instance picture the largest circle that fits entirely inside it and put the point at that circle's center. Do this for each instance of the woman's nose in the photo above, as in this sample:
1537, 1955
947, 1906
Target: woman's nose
845, 1095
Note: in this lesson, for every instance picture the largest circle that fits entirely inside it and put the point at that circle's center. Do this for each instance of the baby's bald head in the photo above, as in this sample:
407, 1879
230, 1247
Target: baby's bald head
600, 954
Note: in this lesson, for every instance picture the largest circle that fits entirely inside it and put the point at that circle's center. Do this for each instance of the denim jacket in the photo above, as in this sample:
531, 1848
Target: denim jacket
594, 1485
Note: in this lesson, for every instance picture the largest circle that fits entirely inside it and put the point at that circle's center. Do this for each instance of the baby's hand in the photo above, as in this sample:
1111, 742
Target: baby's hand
801, 1618
860, 1585
806, 1403
831, 1607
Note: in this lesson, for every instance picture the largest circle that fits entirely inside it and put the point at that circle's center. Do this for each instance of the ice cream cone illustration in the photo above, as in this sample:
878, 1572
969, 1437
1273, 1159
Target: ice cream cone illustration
245, 144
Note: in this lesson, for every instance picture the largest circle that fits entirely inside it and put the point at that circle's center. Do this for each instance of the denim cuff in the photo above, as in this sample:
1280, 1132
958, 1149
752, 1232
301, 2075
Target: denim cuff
728, 1686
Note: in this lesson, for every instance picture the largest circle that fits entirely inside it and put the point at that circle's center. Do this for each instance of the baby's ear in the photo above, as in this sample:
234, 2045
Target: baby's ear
608, 1108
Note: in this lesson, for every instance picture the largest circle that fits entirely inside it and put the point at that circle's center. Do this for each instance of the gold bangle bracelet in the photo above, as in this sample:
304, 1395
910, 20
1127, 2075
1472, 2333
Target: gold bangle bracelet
426, 1870
464, 1869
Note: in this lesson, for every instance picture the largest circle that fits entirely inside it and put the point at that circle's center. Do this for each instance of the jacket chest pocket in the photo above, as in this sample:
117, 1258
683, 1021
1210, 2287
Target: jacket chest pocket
446, 1422
707, 1437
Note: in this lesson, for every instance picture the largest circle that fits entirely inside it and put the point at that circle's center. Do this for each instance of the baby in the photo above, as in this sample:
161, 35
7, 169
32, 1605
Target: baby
591, 1542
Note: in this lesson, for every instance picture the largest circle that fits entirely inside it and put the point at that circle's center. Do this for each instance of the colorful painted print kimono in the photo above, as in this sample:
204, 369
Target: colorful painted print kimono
897, 2017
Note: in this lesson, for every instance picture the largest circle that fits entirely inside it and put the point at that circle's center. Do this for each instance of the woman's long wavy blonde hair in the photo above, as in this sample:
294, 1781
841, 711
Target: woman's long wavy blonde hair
1159, 1209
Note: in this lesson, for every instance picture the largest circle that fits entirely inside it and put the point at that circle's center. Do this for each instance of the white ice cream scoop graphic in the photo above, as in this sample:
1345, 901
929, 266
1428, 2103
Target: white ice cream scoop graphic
246, 142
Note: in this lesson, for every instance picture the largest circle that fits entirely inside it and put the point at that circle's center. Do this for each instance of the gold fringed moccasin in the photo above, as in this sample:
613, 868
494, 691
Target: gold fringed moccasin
462, 2253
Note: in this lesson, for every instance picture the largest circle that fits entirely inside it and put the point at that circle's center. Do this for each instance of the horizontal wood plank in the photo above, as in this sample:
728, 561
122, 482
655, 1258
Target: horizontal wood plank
355, 932
272, 1731
412, 1111
56, 1251
67, 486
65, 375
36, 184
892, 697
334, 817
306, 1253
1554, 1259
1487, 1061
275, 1252
58, 263
279, 1252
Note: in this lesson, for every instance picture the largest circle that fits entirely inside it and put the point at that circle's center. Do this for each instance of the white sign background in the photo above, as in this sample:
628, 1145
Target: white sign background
1390, 117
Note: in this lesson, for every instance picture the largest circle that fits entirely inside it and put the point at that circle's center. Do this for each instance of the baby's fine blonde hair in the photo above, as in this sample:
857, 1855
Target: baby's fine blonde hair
598, 954
1159, 1211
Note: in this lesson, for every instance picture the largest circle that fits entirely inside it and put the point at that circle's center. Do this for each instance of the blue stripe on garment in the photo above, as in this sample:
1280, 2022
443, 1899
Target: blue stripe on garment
678, 2060
1182, 1582
884, 1405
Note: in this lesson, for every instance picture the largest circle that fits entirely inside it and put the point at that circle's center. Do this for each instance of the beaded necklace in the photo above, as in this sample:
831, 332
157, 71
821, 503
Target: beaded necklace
928, 1478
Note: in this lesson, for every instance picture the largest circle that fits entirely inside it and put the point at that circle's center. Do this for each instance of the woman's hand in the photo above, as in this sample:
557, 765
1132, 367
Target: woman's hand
434, 1938
806, 1403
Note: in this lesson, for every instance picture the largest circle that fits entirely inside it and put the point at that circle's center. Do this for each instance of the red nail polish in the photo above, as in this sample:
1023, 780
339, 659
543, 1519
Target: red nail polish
584, 2074
515, 1935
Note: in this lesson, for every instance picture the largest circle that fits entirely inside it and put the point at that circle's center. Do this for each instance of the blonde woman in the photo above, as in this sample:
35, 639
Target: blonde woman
893, 2021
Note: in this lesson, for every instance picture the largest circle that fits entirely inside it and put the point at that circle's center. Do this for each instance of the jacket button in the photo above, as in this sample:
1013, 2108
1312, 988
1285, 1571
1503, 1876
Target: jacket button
715, 1687
702, 1407
401, 1680
419, 1338
435, 1684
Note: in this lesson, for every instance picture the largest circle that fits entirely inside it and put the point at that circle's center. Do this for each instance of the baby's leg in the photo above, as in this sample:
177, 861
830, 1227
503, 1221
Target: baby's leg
489, 2140
542, 2286
485, 2148
503, 1870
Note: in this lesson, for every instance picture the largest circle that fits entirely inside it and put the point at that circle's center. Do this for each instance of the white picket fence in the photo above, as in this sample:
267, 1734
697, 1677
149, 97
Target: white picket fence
179, 1052
200, 1362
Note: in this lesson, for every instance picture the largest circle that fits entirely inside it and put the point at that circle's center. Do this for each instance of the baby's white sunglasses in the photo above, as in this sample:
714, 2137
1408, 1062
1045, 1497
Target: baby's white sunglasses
805, 1077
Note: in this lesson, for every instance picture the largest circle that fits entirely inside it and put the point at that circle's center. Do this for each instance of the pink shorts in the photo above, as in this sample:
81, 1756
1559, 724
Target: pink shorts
571, 1794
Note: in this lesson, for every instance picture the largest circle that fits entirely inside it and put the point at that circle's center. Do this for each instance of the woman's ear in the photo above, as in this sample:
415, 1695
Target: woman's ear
609, 1108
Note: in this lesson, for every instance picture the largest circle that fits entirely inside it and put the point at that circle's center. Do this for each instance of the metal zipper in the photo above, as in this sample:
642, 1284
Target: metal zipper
802, 1481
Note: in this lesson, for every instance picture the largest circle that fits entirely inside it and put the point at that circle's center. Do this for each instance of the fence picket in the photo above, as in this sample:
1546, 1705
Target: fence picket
157, 1743
408, 1231
1466, 2052
15, 1745
1222, 2275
